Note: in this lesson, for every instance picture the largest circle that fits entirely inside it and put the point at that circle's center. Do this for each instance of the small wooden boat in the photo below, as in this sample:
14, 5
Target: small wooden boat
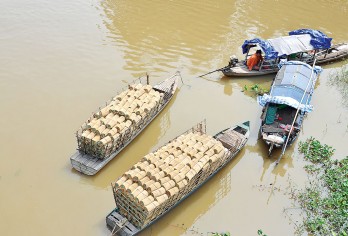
298, 46
233, 140
90, 163
287, 104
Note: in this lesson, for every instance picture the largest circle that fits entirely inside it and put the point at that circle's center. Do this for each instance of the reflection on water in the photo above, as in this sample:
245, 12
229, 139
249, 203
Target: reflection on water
269, 162
224, 189
169, 38
339, 79
226, 82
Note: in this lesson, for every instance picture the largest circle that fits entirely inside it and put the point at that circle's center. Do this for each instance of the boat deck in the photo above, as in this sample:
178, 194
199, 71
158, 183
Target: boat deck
231, 139
119, 225
244, 71
336, 52
285, 117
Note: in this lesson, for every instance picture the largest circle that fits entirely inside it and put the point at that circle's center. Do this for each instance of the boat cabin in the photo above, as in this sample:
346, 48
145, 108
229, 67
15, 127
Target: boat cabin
287, 103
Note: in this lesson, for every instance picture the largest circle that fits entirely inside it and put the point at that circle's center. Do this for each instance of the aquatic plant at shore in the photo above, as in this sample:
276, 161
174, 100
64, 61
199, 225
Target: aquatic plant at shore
259, 232
340, 79
325, 200
256, 88
220, 234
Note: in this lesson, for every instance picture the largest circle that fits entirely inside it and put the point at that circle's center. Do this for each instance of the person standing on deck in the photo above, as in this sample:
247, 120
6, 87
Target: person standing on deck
254, 61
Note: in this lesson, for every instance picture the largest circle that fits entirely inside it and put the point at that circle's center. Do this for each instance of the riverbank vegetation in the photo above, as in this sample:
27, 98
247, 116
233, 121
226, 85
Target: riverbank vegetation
325, 200
340, 80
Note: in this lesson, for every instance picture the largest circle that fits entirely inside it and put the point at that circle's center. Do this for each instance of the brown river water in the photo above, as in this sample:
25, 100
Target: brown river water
60, 60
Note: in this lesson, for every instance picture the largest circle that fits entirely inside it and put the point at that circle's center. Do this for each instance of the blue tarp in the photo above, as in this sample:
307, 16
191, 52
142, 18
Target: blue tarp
265, 46
294, 43
317, 69
319, 39
290, 84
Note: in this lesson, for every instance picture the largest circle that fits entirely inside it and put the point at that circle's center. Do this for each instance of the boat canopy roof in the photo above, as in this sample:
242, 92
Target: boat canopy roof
301, 40
290, 84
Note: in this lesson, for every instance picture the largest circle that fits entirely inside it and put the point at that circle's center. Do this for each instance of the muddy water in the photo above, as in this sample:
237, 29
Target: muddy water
60, 60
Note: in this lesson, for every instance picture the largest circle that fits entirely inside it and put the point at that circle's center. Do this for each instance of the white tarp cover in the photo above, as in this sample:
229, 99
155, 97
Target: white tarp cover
264, 99
291, 44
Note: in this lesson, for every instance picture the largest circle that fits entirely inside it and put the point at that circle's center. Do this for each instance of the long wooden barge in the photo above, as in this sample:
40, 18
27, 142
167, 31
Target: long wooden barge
233, 139
89, 164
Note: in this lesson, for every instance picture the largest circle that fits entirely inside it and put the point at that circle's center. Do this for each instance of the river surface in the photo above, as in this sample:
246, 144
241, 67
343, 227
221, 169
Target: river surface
61, 60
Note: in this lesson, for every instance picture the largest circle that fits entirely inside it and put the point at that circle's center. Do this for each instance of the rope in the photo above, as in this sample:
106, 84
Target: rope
122, 225
179, 74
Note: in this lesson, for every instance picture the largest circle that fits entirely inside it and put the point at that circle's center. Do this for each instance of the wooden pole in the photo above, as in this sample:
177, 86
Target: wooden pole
225, 67
298, 109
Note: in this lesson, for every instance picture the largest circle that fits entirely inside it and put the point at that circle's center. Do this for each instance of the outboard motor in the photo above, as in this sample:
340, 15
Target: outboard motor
233, 61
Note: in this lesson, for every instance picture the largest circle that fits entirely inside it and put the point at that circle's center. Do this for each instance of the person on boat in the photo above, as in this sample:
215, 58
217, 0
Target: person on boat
255, 60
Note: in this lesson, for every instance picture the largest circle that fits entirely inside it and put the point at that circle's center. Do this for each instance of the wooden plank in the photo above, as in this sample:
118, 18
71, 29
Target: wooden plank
231, 138
270, 128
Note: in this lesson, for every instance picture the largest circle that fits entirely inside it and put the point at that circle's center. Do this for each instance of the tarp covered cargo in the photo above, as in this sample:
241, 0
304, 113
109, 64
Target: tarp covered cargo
301, 40
319, 40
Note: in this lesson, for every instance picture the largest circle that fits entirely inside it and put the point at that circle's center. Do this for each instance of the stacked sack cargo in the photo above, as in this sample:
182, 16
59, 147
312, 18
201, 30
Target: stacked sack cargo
165, 176
112, 126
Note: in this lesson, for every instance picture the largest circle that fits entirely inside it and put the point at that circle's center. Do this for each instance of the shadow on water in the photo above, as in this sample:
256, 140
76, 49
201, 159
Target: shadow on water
241, 82
269, 162
339, 79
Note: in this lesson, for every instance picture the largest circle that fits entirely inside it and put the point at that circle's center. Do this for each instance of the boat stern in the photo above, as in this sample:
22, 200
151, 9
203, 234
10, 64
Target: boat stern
272, 141
119, 225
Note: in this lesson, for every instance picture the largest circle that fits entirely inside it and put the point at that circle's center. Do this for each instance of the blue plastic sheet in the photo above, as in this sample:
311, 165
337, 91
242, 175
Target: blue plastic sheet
317, 69
264, 45
319, 39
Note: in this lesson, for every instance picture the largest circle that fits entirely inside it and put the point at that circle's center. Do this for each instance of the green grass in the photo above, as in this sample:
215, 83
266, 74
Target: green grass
325, 200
